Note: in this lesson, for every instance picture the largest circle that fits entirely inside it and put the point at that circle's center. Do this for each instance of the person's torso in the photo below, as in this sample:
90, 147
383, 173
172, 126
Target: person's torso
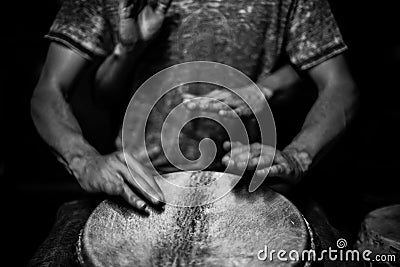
246, 35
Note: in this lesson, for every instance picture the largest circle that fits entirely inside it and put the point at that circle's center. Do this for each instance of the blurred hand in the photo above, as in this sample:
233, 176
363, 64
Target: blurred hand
226, 103
109, 174
139, 22
265, 160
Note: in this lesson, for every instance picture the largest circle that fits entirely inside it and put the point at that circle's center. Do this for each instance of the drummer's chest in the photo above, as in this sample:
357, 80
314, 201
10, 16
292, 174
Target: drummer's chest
218, 25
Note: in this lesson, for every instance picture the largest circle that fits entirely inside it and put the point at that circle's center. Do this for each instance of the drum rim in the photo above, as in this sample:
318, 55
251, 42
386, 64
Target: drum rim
84, 251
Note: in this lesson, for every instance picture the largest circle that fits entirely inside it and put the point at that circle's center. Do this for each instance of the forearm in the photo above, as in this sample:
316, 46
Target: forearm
114, 74
279, 82
333, 110
59, 128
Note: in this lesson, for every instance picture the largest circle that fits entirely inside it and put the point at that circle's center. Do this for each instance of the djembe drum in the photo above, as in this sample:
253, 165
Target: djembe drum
380, 233
228, 231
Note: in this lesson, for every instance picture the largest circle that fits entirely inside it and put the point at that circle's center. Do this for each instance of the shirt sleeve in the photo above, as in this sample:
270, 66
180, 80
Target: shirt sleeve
312, 35
81, 26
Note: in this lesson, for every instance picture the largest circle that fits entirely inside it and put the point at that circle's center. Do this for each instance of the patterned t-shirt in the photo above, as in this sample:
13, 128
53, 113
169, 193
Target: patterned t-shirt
304, 31
253, 36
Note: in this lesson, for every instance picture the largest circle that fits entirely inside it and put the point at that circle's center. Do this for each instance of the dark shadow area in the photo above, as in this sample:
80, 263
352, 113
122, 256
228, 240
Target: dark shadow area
358, 175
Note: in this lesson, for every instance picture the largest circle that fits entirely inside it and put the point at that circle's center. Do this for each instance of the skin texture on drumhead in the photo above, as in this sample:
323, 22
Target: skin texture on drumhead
228, 232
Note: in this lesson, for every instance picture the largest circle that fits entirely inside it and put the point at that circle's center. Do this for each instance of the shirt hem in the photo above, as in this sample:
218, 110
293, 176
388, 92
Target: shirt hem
335, 50
73, 45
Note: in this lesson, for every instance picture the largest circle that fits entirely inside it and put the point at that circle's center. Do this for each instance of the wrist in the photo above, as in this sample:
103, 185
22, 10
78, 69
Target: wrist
265, 90
301, 158
77, 163
123, 50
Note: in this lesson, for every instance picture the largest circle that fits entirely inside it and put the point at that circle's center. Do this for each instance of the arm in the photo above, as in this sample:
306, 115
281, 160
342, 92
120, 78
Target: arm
331, 113
115, 73
277, 85
57, 125
51, 113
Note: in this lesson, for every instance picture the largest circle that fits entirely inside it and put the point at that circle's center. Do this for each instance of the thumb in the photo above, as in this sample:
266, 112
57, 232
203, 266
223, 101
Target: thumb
162, 6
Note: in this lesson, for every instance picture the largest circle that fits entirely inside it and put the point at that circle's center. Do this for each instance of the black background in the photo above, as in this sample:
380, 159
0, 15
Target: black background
360, 174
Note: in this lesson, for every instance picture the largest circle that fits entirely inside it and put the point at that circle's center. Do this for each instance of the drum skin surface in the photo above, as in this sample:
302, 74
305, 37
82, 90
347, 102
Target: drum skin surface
227, 232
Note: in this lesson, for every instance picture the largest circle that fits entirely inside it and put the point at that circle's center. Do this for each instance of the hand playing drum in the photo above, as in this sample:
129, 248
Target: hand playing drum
288, 165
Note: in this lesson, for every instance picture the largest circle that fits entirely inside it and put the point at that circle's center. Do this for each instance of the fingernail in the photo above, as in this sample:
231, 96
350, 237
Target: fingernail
203, 106
242, 164
191, 105
141, 204
161, 199
156, 199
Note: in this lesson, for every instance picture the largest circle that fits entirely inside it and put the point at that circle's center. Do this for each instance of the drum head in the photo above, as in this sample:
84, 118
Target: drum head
227, 232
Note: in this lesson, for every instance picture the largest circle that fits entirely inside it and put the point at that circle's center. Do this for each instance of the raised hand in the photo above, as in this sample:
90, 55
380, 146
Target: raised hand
140, 21
228, 103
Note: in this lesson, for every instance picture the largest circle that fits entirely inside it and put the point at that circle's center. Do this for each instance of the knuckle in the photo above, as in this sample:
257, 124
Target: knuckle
118, 188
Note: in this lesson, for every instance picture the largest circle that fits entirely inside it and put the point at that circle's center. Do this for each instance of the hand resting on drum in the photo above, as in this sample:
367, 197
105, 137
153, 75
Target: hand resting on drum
109, 174
287, 165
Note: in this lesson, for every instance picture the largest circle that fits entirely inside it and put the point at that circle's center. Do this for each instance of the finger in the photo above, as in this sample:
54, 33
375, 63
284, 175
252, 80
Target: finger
118, 143
160, 161
227, 145
263, 172
205, 104
148, 153
265, 161
123, 3
264, 150
187, 96
149, 183
162, 6
229, 113
256, 146
132, 198
229, 163
142, 181
210, 104
226, 159
253, 162
191, 104
125, 8
243, 110
240, 156
241, 160
277, 170
267, 92
235, 144
237, 150
217, 105
218, 94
